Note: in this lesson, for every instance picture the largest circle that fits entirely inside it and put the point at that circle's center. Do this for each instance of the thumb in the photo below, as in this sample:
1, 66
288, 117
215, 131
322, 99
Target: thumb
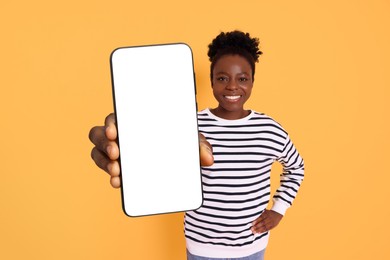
205, 150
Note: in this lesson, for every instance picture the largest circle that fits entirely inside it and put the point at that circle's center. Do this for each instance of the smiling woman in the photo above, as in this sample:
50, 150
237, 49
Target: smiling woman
232, 86
233, 221
233, 56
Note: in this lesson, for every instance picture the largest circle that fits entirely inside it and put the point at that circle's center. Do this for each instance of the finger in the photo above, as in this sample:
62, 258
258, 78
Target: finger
115, 182
261, 227
98, 138
110, 119
111, 133
96, 135
110, 127
257, 221
113, 169
206, 153
112, 150
104, 163
261, 218
261, 224
100, 159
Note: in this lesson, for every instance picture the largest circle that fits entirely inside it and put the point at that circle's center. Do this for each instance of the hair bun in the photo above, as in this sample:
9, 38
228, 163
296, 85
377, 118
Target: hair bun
234, 42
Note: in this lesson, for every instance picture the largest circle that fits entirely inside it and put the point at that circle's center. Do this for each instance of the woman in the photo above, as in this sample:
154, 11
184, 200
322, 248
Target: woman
238, 147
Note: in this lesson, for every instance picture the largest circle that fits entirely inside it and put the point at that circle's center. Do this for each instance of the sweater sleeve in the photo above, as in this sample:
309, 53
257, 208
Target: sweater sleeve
290, 179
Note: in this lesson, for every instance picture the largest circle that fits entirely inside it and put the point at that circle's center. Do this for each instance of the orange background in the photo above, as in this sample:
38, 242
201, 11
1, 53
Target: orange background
324, 76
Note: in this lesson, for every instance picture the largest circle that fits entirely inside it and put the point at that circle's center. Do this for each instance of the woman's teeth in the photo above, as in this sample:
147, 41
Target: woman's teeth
232, 97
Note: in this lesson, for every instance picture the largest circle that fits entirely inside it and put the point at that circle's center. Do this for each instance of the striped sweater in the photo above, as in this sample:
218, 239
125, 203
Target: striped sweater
236, 188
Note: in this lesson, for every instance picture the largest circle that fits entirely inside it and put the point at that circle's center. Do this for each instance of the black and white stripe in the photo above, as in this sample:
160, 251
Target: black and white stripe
236, 188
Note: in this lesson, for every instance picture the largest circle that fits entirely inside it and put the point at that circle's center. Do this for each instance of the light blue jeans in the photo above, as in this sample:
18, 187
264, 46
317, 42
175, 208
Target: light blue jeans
256, 256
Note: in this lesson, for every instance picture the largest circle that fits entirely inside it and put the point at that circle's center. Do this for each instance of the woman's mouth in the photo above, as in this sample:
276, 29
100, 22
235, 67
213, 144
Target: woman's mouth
232, 98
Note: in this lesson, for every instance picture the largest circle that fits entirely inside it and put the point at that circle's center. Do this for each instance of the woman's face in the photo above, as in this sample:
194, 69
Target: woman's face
232, 86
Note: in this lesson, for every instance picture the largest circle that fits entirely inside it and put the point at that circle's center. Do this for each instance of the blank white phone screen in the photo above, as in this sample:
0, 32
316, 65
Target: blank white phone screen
156, 114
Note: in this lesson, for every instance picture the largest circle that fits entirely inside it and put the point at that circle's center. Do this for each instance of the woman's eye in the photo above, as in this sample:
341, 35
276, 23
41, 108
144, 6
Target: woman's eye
243, 79
222, 79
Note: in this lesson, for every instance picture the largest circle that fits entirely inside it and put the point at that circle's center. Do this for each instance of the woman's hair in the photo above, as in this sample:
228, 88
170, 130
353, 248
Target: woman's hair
234, 43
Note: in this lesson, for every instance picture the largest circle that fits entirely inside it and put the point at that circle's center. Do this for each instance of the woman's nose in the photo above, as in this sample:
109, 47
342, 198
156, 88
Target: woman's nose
232, 85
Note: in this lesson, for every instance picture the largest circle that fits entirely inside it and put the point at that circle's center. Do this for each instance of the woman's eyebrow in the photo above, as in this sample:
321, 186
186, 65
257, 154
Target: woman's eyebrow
221, 73
227, 73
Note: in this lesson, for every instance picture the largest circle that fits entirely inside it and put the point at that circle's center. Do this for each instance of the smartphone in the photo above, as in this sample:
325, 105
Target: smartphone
154, 95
